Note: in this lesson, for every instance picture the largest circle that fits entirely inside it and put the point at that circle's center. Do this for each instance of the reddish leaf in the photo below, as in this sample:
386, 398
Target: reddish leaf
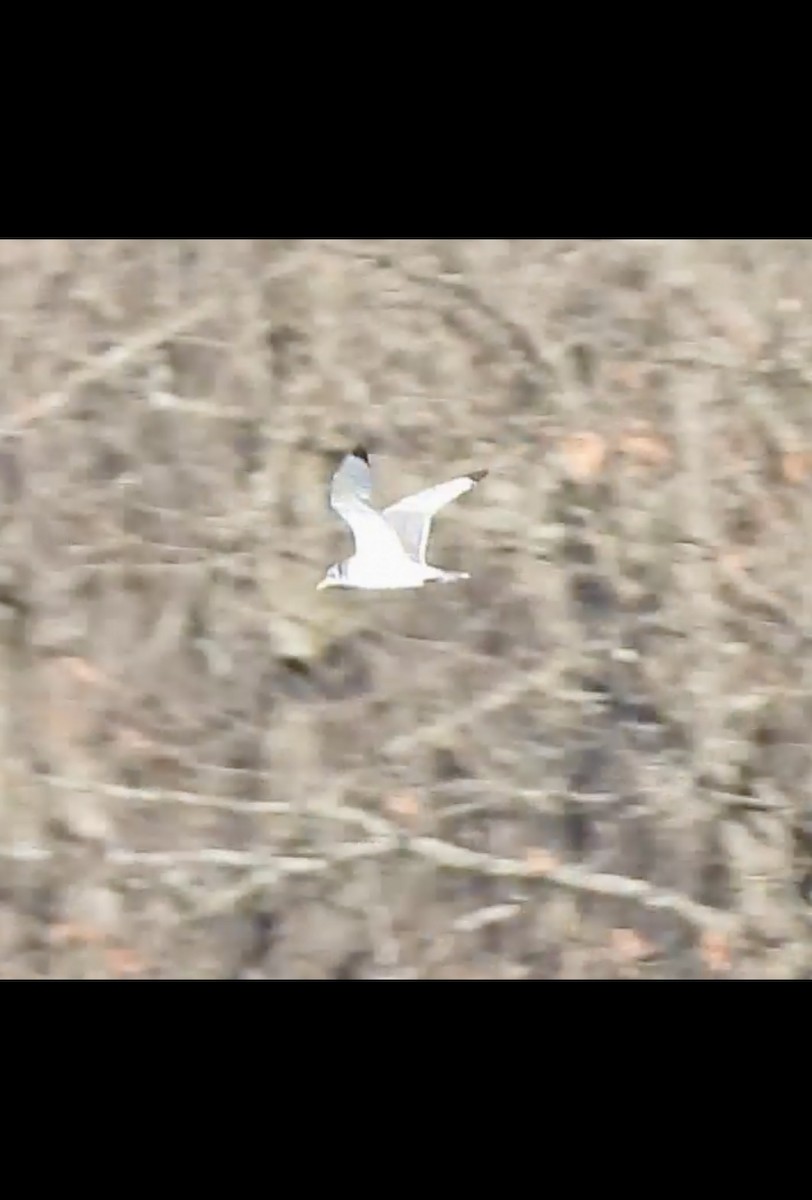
123, 961
648, 448
540, 861
715, 950
796, 465
629, 945
584, 455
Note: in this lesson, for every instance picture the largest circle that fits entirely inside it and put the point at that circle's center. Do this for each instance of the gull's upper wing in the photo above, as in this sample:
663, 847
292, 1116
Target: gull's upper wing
350, 491
411, 517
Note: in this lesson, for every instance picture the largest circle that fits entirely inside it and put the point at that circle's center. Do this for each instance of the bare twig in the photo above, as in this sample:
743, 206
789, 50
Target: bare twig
494, 914
574, 878
328, 808
109, 362
267, 867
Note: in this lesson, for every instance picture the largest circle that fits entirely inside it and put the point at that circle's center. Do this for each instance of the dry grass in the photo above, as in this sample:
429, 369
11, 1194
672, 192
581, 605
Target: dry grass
590, 761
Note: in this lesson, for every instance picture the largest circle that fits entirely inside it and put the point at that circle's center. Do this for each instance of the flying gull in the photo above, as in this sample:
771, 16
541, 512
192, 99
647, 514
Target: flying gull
390, 546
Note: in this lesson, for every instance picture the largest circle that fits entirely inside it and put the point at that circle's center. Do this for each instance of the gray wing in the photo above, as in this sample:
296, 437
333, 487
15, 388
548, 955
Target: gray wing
350, 491
411, 517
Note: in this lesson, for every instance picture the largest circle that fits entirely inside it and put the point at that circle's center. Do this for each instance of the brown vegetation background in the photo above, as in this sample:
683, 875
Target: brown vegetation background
592, 760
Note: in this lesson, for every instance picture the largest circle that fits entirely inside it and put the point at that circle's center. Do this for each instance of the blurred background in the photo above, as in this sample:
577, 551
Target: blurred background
589, 761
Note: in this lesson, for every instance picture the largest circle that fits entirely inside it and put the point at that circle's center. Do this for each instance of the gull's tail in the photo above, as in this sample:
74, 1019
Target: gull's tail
447, 576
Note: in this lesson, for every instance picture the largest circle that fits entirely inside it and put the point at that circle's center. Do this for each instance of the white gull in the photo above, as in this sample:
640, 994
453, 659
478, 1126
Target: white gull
390, 546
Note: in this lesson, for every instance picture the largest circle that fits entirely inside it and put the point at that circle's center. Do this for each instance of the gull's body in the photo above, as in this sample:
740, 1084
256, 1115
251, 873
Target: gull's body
390, 546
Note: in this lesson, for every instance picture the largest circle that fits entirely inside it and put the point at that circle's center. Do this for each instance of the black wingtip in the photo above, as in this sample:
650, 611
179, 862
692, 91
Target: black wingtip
360, 452
477, 475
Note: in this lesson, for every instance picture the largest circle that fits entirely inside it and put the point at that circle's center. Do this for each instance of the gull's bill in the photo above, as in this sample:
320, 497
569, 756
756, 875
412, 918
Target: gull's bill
390, 547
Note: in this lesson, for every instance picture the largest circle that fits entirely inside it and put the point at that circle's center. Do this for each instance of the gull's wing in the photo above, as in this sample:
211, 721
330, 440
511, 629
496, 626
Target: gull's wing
411, 517
350, 491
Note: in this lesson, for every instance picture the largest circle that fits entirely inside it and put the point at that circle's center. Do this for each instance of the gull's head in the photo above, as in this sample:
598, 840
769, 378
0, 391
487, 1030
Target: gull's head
332, 578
